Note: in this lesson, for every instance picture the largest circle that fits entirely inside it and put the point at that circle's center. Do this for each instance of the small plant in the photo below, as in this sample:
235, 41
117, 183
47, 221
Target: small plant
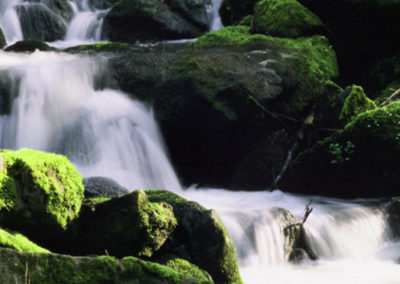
340, 153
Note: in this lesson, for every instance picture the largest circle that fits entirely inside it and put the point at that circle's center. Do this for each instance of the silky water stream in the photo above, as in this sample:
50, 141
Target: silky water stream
52, 101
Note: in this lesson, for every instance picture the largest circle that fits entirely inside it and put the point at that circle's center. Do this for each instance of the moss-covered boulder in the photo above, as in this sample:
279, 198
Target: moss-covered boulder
129, 225
200, 237
28, 46
150, 20
16, 267
217, 97
18, 242
358, 161
39, 190
356, 102
285, 18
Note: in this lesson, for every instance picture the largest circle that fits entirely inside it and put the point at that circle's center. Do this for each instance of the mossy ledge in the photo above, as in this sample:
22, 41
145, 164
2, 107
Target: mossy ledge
17, 267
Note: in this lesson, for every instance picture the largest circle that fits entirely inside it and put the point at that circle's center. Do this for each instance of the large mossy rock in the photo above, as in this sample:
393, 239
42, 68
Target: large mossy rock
151, 20
217, 97
40, 192
129, 225
200, 238
285, 18
16, 267
358, 161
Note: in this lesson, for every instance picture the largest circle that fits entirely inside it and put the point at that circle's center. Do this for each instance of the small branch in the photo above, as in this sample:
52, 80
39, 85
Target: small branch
307, 213
393, 97
27, 279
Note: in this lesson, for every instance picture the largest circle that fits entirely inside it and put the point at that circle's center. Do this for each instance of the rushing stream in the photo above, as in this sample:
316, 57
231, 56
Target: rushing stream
54, 102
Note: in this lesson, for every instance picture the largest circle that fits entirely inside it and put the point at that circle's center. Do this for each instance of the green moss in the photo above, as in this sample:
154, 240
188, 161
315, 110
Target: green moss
356, 102
18, 267
38, 189
245, 21
14, 240
184, 267
284, 18
230, 35
100, 47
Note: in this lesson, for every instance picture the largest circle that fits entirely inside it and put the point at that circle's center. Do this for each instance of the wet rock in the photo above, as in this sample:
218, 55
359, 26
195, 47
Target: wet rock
102, 186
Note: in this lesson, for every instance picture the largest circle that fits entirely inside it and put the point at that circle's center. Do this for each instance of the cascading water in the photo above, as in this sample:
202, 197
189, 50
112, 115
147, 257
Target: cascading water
87, 22
49, 101
215, 19
53, 106
9, 21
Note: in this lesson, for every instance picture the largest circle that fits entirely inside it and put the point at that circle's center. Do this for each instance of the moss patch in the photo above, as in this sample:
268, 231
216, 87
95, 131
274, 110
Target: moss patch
100, 47
56, 269
19, 242
356, 102
284, 18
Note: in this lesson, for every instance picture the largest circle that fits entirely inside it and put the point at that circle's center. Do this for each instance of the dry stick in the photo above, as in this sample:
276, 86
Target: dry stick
27, 279
390, 99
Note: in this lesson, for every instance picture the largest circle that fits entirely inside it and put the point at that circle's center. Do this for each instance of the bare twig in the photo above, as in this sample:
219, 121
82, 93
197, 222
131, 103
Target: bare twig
27, 278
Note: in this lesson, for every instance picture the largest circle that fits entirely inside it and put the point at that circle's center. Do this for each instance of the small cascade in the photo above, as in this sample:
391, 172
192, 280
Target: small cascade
52, 105
346, 236
9, 21
213, 12
87, 22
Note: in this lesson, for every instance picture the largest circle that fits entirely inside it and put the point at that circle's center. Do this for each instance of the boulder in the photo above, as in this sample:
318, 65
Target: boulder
102, 186
129, 225
28, 46
61, 8
217, 97
200, 237
38, 190
139, 20
392, 211
357, 161
17, 267
38, 22
285, 18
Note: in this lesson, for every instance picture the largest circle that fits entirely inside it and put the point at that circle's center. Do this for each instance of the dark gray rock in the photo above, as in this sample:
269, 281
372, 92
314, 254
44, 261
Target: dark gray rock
102, 186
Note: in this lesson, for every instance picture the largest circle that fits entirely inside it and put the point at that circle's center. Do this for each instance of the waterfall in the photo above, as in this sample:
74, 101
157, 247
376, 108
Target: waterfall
87, 22
213, 12
57, 102
52, 105
9, 21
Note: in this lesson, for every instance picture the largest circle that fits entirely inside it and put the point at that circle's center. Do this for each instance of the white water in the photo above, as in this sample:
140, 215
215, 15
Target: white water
213, 13
351, 238
9, 21
55, 106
